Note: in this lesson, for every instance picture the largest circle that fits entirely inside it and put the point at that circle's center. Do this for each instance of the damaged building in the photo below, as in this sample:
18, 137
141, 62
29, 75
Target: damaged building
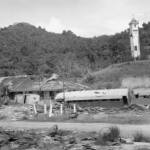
46, 88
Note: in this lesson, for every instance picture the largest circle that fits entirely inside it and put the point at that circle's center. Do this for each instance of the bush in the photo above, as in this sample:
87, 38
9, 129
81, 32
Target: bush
140, 137
109, 86
90, 79
112, 134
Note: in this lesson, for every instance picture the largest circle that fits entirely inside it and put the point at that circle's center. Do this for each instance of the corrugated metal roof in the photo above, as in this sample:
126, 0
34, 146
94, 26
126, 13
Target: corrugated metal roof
2, 78
14, 82
58, 85
93, 94
21, 84
142, 91
27, 85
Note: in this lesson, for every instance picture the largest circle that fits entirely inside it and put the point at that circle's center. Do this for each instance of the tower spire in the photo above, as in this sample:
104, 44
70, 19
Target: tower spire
134, 38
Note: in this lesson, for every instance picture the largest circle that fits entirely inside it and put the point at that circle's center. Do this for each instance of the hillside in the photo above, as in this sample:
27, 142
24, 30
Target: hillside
112, 76
25, 49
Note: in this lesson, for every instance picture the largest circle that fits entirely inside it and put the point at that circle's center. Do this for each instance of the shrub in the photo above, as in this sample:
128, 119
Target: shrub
109, 86
90, 79
140, 137
112, 134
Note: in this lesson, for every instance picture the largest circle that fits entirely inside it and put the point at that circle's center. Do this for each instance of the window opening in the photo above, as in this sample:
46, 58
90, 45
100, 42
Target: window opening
125, 100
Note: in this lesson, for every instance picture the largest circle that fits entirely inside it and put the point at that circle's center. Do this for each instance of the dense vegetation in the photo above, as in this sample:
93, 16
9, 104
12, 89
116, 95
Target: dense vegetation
25, 49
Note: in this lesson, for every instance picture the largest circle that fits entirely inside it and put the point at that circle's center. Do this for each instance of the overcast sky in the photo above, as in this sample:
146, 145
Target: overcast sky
86, 18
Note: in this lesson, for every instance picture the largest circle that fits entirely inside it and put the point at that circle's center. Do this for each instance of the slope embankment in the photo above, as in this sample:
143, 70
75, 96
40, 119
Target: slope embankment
112, 76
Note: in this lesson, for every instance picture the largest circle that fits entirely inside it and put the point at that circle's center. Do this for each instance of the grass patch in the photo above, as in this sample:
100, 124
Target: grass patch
116, 73
129, 119
111, 135
140, 137
45, 118
116, 118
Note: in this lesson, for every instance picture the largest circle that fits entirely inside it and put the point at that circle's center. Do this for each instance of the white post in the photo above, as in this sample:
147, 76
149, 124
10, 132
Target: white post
61, 109
74, 108
34, 109
50, 111
45, 109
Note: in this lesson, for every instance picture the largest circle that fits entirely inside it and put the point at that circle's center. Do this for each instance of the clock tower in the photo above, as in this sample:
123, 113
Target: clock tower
134, 38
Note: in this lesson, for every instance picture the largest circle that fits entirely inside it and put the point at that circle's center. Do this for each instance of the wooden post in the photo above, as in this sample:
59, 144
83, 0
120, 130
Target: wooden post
61, 109
50, 109
45, 109
34, 109
74, 108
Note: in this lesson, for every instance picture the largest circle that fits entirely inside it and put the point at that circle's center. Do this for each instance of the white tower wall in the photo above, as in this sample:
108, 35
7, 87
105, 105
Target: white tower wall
134, 38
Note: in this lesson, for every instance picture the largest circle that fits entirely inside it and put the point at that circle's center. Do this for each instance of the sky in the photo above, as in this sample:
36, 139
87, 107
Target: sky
85, 18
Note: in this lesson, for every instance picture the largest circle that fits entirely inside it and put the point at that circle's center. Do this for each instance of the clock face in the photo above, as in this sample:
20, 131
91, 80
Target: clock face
135, 32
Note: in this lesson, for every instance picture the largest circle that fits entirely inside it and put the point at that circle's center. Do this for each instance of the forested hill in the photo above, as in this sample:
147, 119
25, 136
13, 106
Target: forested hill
25, 49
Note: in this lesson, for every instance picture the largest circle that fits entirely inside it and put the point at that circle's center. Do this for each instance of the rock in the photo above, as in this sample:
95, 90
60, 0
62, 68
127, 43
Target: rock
3, 140
72, 140
31, 149
5, 147
126, 141
52, 131
73, 116
129, 141
81, 136
50, 146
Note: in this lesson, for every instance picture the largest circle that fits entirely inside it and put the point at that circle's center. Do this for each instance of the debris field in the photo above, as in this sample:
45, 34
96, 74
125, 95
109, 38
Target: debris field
57, 139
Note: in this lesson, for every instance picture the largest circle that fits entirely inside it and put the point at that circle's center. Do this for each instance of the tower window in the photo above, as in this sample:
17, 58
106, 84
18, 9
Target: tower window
135, 47
135, 26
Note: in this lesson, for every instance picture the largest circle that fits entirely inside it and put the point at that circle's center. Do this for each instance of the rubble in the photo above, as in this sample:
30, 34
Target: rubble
51, 139
26, 112
126, 141
132, 107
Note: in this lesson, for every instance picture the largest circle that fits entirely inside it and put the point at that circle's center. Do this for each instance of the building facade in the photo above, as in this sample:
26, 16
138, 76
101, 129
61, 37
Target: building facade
134, 38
